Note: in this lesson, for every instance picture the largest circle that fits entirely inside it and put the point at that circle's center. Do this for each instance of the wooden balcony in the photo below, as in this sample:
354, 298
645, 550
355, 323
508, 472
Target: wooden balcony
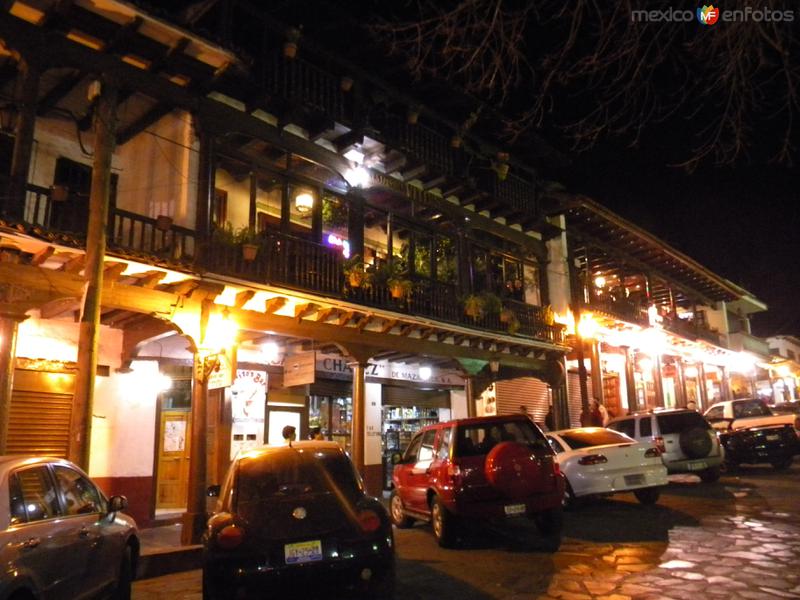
624, 310
298, 84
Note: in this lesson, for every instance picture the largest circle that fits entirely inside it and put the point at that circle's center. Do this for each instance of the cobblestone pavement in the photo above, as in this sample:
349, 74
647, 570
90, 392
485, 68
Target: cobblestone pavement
739, 538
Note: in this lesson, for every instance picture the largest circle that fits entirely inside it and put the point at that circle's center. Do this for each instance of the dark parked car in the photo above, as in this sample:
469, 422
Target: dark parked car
479, 468
296, 516
60, 537
753, 433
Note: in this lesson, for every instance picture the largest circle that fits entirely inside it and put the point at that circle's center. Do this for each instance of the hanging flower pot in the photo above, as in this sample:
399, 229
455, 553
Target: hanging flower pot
502, 170
455, 141
346, 83
355, 278
163, 223
290, 45
59, 193
399, 288
249, 252
506, 315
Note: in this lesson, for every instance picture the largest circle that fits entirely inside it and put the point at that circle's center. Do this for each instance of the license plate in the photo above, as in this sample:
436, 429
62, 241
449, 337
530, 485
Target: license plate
773, 438
515, 509
634, 479
697, 466
303, 552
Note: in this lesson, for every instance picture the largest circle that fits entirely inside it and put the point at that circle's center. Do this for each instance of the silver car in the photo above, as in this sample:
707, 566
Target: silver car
687, 442
60, 537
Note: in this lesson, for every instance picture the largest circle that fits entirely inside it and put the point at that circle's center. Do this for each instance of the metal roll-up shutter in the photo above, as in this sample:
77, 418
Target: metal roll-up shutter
407, 396
40, 413
574, 397
524, 391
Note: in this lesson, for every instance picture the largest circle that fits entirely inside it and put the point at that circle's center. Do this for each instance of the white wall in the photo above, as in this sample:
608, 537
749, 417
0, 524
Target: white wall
123, 423
558, 269
373, 454
458, 404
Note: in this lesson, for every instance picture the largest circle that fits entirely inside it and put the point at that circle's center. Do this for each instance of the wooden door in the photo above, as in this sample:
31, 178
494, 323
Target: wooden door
173, 459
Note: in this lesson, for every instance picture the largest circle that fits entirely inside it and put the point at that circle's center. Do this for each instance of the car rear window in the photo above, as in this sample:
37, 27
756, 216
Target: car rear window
626, 426
477, 439
293, 472
681, 421
599, 437
750, 408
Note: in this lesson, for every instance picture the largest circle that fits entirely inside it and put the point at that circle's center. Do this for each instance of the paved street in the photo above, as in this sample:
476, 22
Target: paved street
737, 538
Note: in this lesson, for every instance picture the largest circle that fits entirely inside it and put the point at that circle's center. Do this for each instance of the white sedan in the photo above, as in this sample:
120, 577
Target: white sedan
599, 461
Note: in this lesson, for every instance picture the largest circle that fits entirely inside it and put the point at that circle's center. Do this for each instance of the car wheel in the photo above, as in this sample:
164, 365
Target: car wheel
570, 502
647, 495
695, 442
550, 523
122, 591
783, 463
443, 523
709, 475
399, 517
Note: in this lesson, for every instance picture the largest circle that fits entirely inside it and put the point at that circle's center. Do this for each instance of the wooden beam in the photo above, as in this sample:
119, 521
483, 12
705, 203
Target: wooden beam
58, 92
74, 264
304, 310
113, 271
346, 141
148, 118
243, 298
183, 288
345, 317
151, 279
324, 313
274, 304
388, 325
56, 308
323, 333
42, 255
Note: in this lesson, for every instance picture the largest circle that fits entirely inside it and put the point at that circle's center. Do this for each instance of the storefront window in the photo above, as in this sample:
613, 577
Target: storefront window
333, 416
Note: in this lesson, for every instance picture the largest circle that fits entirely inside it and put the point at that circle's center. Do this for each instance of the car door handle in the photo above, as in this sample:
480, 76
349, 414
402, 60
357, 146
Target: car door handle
31, 543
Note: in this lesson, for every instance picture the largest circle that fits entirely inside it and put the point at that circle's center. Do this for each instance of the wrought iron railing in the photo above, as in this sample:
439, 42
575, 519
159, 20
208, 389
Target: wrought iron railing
625, 310
298, 81
159, 237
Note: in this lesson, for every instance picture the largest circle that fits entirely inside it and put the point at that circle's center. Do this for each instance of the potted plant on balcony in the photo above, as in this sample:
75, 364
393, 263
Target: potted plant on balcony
247, 238
399, 285
355, 272
473, 306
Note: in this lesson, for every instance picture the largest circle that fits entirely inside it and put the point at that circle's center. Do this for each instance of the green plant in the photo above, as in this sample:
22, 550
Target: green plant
356, 272
482, 304
395, 278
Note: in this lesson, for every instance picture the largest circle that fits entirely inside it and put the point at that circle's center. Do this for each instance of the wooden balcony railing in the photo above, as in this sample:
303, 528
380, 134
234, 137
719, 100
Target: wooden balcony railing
131, 232
298, 81
625, 310
420, 142
514, 191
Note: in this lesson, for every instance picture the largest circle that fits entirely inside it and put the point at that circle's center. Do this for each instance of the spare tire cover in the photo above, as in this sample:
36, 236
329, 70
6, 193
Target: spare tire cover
513, 470
695, 442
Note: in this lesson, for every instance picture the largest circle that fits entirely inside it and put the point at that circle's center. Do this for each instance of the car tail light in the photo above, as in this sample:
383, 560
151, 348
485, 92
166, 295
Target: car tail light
659, 442
653, 452
230, 537
454, 474
556, 468
593, 459
369, 520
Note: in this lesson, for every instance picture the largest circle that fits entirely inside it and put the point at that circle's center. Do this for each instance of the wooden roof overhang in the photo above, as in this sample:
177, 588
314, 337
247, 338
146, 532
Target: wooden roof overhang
143, 301
614, 245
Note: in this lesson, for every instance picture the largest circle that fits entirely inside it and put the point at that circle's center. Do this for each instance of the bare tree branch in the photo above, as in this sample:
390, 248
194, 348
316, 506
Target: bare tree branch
591, 71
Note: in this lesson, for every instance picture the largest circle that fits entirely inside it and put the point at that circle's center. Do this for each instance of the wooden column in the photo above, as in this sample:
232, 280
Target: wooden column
597, 373
205, 186
630, 381
469, 392
681, 382
194, 519
355, 224
251, 221
657, 383
316, 217
27, 94
9, 325
357, 434
105, 123
701, 384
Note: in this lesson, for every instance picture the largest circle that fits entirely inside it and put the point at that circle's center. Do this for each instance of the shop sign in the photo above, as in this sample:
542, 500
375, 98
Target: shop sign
220, 370
248, 402
337, 367
298, 369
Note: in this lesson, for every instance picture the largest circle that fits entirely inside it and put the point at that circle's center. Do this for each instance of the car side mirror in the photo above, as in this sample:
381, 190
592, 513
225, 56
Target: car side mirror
213, 491
397, 458
117, 503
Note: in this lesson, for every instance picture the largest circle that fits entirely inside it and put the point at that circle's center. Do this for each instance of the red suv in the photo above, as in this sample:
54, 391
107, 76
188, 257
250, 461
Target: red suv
478, 468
